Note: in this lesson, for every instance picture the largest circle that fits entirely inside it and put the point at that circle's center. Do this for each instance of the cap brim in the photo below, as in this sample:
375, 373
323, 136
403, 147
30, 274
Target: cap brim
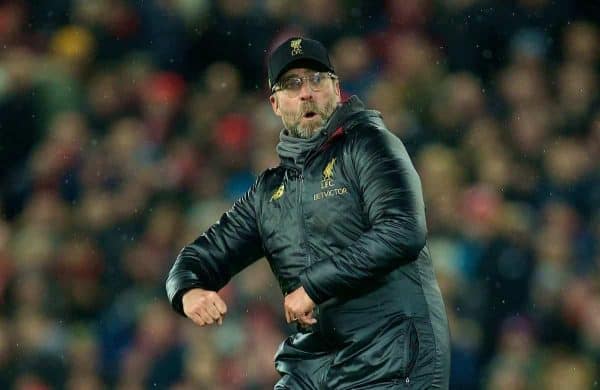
304, 62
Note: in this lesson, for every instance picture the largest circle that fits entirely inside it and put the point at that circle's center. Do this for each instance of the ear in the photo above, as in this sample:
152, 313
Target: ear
275, 104
338, 91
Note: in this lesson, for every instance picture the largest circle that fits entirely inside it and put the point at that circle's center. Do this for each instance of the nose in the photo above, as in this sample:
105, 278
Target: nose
306, 92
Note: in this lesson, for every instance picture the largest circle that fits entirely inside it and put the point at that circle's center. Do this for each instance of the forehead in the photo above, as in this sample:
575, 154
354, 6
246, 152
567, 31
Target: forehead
298, 72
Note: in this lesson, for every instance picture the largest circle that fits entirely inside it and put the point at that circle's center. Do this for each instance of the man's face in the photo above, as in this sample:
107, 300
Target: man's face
304, 111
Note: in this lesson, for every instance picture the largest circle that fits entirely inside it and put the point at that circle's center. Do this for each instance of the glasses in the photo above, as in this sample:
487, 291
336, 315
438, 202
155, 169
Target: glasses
292, 85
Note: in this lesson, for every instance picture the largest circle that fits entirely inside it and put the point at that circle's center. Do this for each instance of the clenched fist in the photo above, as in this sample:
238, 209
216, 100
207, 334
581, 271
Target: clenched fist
299, 307
203, 307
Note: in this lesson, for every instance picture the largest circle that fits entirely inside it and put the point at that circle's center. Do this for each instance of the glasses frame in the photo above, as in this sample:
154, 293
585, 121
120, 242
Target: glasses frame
277, 86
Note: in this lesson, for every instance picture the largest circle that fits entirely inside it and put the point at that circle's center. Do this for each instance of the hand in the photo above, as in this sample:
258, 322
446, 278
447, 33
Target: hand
203, 307
299, 307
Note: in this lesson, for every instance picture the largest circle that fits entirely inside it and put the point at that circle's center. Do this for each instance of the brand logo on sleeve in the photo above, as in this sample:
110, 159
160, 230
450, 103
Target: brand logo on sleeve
278, 193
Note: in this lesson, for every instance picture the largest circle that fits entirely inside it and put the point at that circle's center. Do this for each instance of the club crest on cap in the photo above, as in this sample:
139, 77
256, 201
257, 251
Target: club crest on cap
295, 44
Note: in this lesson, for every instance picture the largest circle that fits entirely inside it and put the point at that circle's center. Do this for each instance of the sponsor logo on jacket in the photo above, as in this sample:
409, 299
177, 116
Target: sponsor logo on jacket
328, 188
278, 193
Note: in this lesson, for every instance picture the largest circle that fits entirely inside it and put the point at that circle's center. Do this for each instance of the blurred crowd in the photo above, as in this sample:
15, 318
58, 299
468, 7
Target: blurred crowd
128, 127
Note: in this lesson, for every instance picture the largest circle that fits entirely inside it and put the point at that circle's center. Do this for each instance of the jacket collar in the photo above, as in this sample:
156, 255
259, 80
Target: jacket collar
341, 115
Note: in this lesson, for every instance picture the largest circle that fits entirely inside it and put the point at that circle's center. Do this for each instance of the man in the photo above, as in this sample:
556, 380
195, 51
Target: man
342, 223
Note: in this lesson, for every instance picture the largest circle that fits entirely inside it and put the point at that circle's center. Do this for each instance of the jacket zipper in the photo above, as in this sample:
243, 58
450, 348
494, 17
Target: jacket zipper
301, 212
407, 368
301, 207
304, 236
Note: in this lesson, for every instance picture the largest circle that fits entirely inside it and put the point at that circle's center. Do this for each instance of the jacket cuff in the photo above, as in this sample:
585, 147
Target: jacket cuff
177, 302
314, 280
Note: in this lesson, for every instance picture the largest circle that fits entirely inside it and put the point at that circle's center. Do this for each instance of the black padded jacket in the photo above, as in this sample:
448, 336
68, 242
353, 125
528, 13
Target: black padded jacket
349, 226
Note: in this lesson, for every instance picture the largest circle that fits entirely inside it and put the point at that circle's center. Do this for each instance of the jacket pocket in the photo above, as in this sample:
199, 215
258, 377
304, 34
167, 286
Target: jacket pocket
410, 350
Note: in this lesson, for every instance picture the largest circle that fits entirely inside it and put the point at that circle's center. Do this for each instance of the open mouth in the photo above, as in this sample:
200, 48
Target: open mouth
310, 114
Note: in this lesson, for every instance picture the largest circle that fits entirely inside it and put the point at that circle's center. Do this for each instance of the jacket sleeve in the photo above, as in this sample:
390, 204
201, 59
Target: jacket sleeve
226, 248
393, 201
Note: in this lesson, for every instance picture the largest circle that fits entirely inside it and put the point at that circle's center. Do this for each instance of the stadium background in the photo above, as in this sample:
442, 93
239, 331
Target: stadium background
128, 127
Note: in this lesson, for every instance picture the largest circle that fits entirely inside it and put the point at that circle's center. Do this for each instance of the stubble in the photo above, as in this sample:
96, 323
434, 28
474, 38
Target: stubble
293, 121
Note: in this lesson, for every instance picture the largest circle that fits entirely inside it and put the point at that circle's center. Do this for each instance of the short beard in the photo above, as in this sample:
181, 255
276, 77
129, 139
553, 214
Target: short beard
292, 121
